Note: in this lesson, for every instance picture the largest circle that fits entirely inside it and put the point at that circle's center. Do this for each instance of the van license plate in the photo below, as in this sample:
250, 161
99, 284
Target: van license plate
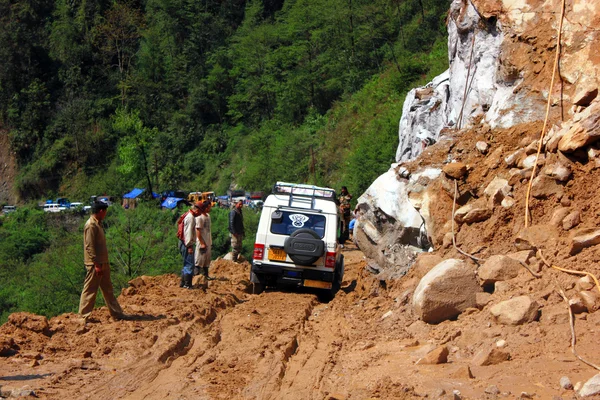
317, 284
277, 254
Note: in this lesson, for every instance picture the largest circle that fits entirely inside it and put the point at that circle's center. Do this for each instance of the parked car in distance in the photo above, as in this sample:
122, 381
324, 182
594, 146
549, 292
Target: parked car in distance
8, 209
53, 207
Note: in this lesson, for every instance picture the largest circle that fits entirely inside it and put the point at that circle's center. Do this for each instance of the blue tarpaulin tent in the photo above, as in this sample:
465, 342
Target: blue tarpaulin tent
134, 193
171, 202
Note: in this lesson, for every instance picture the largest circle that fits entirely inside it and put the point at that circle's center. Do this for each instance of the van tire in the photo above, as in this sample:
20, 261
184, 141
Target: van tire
310, 237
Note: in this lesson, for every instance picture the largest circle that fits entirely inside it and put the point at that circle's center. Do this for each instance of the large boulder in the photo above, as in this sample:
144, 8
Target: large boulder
446, 291
394, 222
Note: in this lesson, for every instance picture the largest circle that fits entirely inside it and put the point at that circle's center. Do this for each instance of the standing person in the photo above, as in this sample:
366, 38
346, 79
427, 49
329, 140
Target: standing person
186, 231
236, 228
203, 239
346, 213
95, 257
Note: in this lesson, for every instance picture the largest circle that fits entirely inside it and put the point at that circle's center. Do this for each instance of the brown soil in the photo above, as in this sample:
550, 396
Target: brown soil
225, 343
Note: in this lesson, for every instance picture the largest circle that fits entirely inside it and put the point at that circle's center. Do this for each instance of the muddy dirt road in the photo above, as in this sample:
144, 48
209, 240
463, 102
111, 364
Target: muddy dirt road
226, 343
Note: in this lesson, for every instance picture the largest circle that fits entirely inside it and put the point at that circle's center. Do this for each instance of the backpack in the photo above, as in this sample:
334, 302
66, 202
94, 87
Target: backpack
180, 226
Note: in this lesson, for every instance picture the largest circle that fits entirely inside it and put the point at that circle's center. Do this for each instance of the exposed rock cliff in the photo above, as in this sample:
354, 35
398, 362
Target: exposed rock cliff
502, 55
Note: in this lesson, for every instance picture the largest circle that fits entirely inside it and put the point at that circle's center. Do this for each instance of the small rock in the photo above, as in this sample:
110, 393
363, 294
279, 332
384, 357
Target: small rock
34, 363
482, 147
529, 161
585, 95
532, 147
87, 354
514, 158
583, 132
591, 300
516, 311
559, 215
438, 393
565, 383
507, 202
455, 170
386, 315
477, 215
585, 283
501, 343
525, 395
498, 268
482, 299
492, 389
544, 186
577, 305
577, 386
522, 256
516, 175
490, 356
559, 172
456, 395
462, 372
571, 220
591, 387
436, 356
584, 238
335, 396
536, 236
497, 190
137, 282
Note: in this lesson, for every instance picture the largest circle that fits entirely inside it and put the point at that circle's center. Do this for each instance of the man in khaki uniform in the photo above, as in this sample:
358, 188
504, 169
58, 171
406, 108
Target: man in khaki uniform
95, 257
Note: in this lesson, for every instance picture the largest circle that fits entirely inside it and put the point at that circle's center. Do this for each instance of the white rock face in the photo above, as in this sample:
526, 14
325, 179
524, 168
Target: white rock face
394, 218
502, 91
423, 117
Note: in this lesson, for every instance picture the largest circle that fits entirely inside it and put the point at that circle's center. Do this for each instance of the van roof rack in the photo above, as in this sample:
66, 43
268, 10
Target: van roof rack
304, 193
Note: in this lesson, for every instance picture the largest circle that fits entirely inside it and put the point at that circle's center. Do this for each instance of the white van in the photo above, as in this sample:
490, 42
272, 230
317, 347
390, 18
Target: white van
297, 240
53, 207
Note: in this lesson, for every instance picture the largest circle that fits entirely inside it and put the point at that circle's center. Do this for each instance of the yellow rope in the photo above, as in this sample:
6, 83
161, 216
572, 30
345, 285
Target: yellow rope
570, 271
547, 112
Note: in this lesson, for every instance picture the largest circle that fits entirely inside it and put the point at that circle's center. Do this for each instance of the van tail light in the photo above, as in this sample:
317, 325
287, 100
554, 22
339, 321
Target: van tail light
329, 259
259, 251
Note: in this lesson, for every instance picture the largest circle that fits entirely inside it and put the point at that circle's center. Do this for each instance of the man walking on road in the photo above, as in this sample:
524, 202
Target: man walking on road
95, 257
236, 228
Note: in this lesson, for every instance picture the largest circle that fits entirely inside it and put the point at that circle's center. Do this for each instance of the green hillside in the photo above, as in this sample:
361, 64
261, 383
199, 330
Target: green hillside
102, 96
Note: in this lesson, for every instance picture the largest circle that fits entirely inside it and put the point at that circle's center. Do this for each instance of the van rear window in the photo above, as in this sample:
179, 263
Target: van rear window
292, 221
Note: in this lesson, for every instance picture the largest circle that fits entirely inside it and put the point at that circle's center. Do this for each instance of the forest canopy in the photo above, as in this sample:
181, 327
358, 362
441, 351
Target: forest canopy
101, 96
